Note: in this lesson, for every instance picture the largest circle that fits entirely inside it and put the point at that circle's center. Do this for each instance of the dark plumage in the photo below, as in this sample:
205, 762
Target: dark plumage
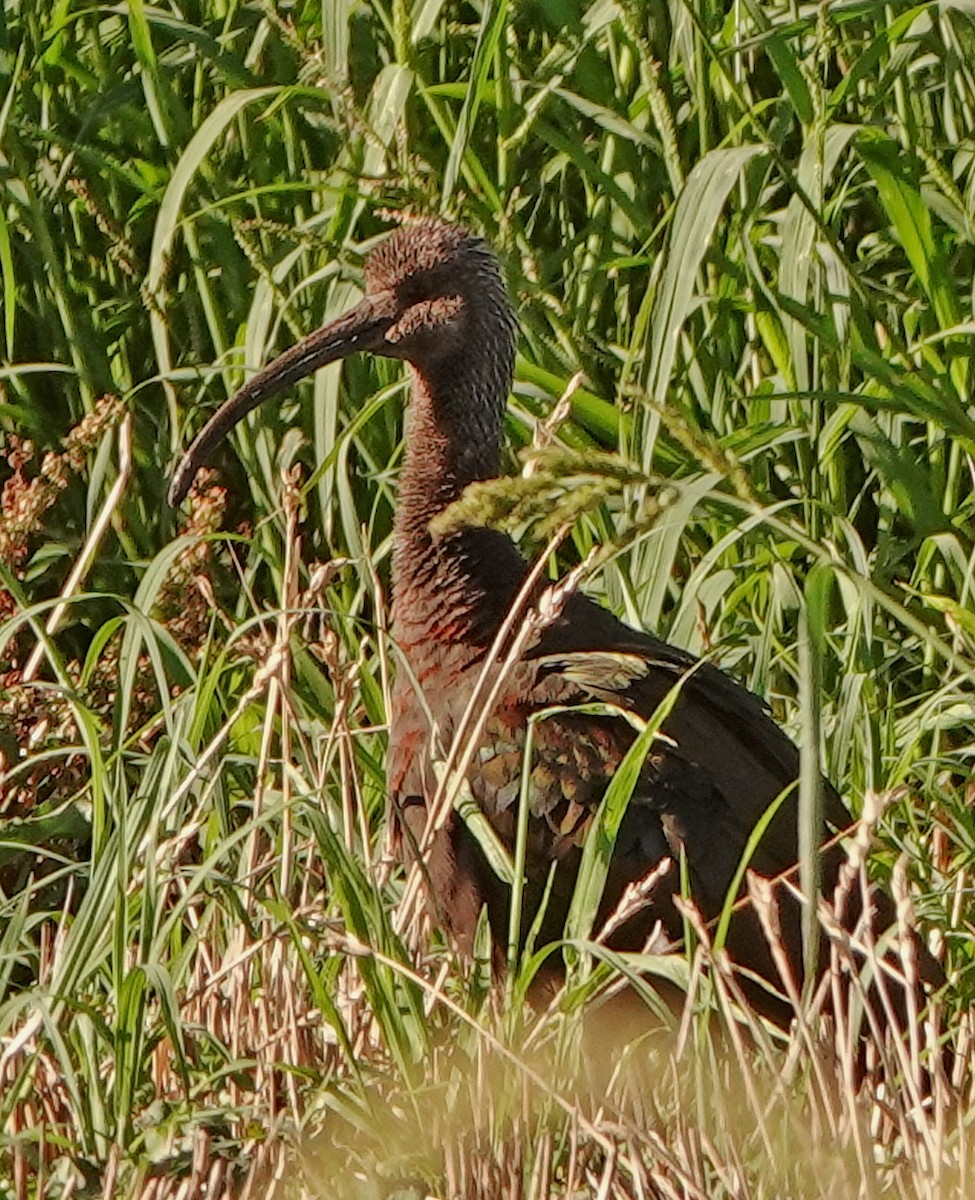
435, 297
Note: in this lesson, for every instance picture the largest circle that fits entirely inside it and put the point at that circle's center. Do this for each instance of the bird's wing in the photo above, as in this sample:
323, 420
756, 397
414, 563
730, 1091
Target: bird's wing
723, 761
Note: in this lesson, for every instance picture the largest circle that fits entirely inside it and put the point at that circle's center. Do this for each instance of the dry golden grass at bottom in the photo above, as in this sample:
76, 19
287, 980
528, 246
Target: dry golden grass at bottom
502, 1105
702, 1109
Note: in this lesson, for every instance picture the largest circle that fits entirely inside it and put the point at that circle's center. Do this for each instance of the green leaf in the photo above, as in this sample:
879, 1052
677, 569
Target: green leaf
698, 211
493, 21
891, 168
597, 853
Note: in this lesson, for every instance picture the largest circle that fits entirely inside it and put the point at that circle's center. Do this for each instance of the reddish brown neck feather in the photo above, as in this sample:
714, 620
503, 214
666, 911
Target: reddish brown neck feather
450, 590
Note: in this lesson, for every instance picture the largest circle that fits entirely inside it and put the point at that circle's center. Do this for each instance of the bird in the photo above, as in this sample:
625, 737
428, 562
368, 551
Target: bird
435, 297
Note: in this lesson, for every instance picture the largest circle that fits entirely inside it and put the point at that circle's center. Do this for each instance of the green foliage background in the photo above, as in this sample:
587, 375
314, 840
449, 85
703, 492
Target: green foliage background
750, 225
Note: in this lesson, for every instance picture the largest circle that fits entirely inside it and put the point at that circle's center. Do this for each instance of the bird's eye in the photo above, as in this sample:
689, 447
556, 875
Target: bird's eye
437, 316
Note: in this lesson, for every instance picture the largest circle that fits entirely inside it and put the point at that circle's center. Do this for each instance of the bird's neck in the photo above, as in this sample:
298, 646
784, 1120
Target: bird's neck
449, 589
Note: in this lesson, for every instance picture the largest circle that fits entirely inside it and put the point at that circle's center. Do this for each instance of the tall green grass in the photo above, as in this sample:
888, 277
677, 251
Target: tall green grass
751, 226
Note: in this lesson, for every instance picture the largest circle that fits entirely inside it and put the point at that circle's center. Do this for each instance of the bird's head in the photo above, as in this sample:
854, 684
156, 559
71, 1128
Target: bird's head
431, 278
429, 286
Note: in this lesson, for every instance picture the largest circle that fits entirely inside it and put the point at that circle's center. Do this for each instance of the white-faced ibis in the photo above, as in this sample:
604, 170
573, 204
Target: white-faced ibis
435, 297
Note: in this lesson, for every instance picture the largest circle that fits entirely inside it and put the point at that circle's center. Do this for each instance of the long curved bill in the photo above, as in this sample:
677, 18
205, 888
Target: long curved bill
360, 329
